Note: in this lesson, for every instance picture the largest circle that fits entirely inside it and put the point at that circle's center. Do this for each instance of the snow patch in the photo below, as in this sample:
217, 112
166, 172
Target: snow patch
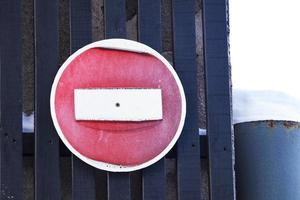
264, 49
202, 131
254, 105
28, 123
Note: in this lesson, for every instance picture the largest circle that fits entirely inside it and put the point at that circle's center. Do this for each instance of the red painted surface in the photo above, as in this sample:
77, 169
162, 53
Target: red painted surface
123, 143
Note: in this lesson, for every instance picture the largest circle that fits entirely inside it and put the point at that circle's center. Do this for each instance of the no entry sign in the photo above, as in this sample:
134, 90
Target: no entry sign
118, 105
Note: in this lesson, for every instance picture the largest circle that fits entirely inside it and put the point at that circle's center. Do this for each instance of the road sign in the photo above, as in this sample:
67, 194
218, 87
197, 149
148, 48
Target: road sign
118, 105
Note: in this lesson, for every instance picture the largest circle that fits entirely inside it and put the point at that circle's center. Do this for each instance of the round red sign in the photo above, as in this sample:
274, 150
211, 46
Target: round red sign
118, 105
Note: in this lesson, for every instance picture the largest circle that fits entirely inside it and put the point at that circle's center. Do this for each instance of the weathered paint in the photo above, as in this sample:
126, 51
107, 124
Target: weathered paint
267, 160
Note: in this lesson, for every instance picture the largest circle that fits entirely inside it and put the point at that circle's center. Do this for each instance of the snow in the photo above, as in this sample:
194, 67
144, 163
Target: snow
28, 123
253, 105
202, 132
264, 48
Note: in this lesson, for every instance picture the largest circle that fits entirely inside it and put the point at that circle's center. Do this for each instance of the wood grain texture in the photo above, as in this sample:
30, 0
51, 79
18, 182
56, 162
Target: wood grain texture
83, 182
188, 147
46, 65
115, 27
149, 33
218, 88
10, 101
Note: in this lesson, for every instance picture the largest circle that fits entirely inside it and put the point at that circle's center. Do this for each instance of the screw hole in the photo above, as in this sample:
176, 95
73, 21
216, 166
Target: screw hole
193, 145
117, 104
224, 149
14, 140
6, 134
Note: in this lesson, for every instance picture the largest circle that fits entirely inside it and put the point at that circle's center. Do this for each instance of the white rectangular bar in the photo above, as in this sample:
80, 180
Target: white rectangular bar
120, 104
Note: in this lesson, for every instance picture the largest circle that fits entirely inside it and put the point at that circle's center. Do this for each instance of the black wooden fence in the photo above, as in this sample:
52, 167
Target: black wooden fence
85, 179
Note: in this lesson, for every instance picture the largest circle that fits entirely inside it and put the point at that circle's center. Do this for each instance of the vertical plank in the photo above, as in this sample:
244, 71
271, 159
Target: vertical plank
115, 18
188, 147
218, 88
149, 33
149, 23
115, 27
154, 181
47, 179
10, 101
118, 186
80, 23
83, 182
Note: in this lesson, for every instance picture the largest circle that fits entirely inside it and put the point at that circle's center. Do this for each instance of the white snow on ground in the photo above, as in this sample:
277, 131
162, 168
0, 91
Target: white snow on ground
265, 49
202, 131
28, 123
251, 105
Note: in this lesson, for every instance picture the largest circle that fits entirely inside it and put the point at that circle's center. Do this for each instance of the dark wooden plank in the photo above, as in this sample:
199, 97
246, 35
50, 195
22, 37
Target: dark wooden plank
149, 33
46, 65
10, 101
115, 18
81, 23
219, 119
154, 181
188, 147
149, 23
119, 186
115, 27
83, 182
28, 146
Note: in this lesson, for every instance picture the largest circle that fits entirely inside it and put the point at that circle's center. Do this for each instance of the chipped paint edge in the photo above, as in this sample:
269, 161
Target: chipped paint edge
125, 45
